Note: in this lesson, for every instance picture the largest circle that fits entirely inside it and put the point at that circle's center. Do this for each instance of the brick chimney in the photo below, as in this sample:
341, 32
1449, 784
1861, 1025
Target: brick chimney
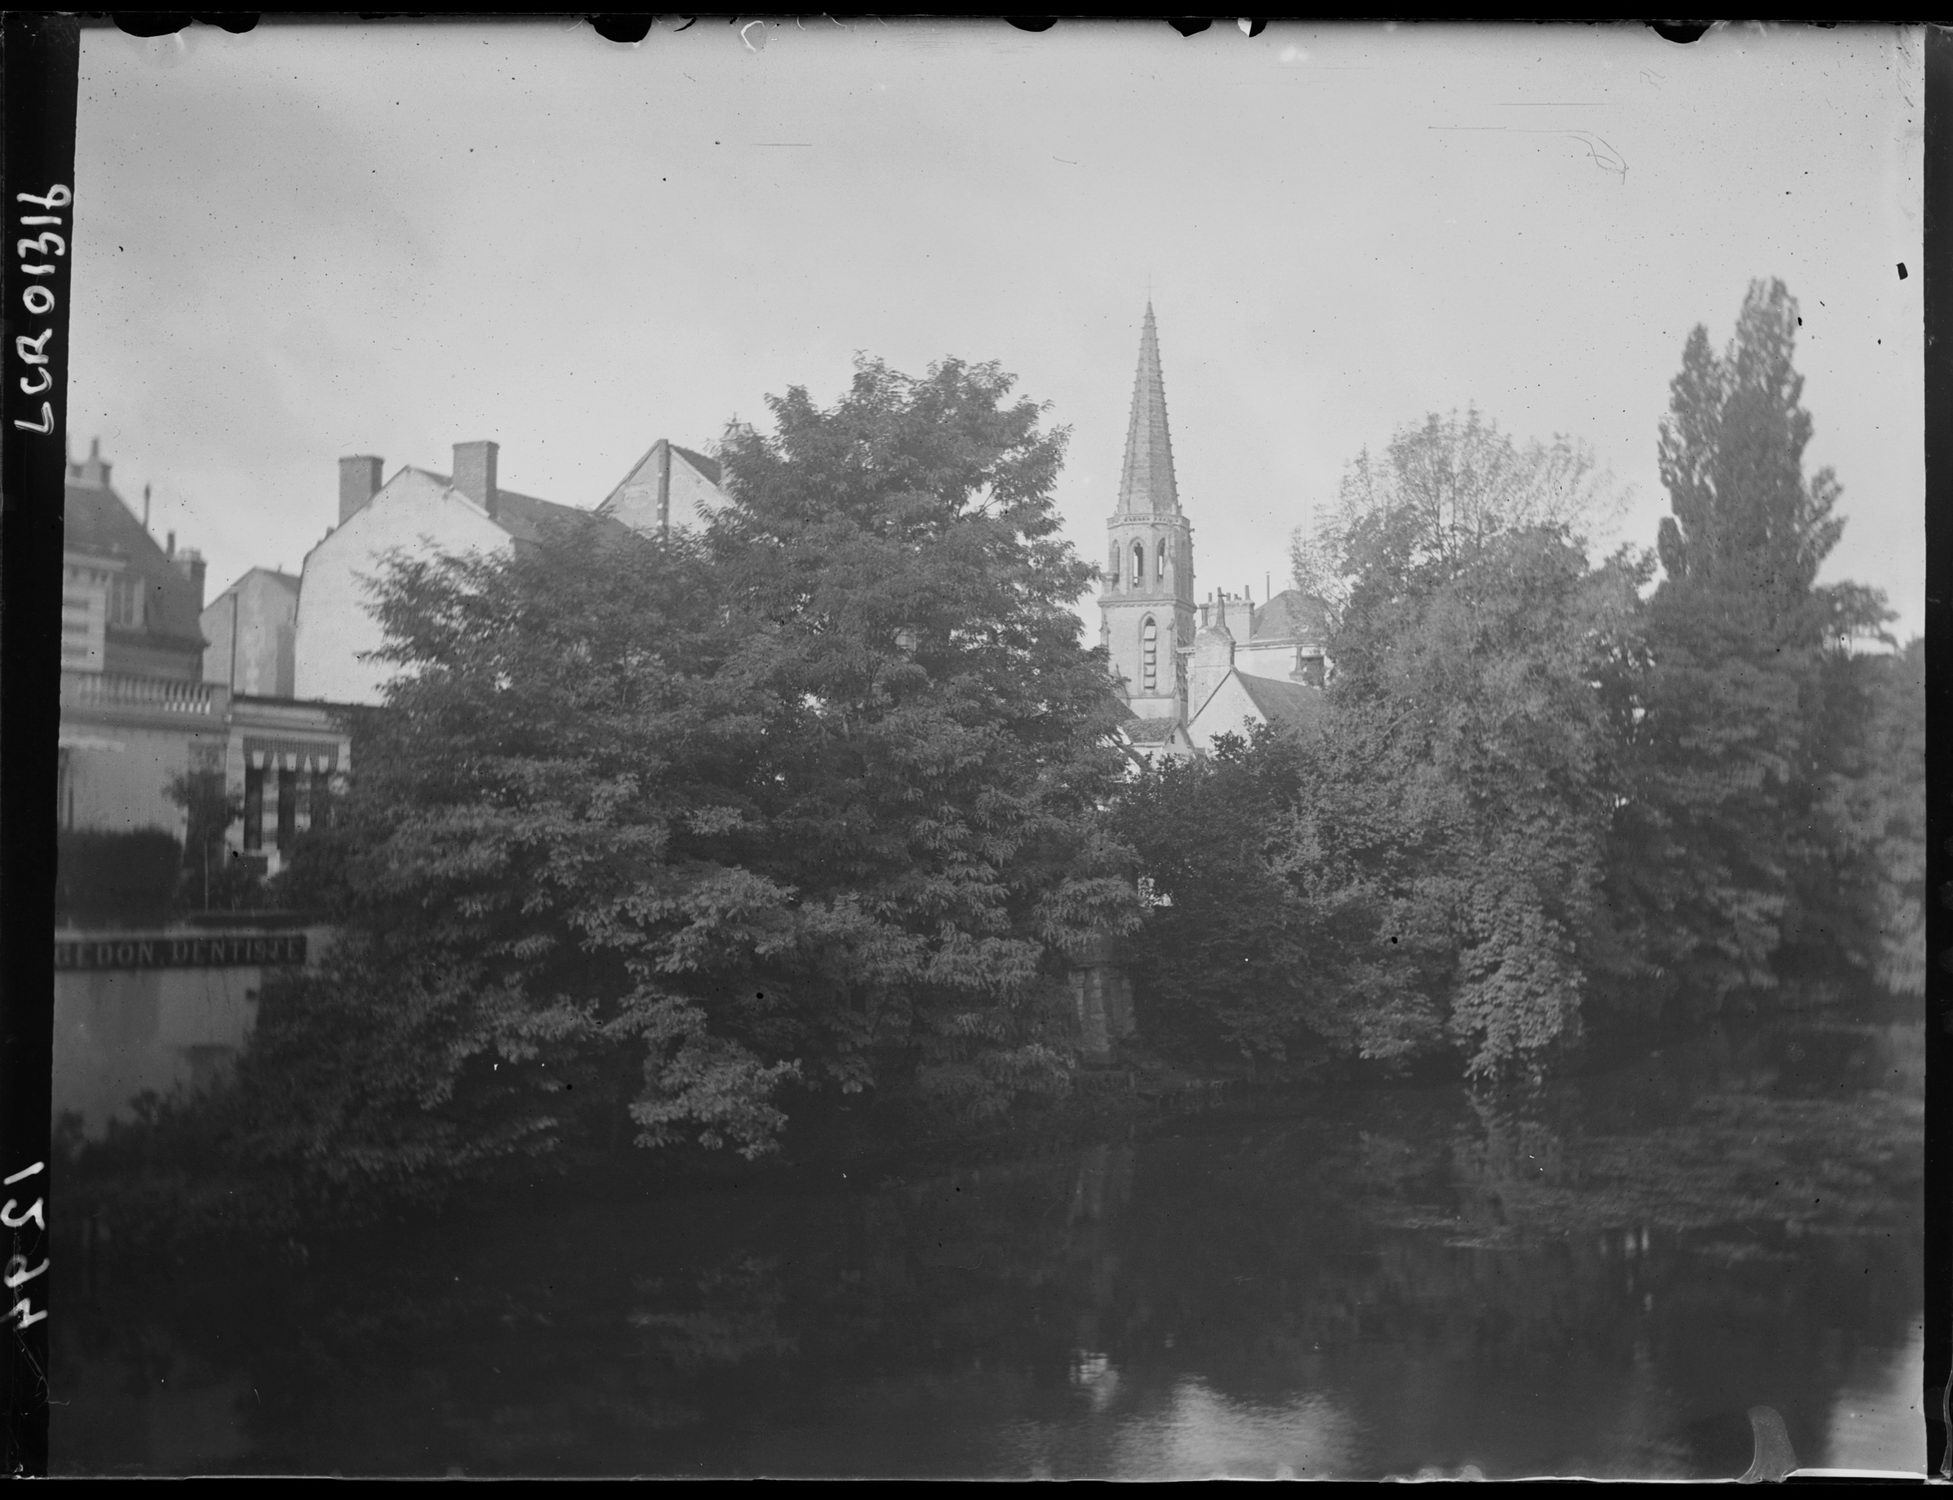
92, 470
474, 472
359, 482
189, 562
1212, 658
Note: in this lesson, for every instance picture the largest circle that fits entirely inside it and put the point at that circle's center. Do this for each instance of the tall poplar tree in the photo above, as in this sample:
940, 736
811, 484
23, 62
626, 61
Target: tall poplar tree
1725, 844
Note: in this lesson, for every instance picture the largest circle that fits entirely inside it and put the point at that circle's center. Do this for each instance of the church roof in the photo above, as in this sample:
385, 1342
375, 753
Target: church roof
1143, 731
1146, 483
1293, 702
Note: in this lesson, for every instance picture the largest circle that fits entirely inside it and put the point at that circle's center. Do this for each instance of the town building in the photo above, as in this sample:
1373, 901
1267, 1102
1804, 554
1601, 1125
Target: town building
417, 511
251, 628
669, 488
135, 712
1189, 673
149, 698
420, 512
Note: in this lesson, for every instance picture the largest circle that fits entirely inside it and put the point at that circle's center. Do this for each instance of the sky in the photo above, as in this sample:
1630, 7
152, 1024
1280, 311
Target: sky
318, 240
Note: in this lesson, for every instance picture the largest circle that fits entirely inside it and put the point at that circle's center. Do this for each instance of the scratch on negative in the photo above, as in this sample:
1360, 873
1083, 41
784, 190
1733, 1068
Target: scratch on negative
1604, 156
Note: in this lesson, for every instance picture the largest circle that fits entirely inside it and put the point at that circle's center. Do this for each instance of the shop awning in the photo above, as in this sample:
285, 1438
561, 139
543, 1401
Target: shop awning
264, 753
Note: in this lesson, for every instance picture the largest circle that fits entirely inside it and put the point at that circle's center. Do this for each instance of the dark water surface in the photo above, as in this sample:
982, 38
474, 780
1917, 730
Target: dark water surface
1359, 1284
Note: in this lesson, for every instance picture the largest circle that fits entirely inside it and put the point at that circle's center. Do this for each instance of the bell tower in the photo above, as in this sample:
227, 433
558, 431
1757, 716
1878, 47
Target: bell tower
1146, 608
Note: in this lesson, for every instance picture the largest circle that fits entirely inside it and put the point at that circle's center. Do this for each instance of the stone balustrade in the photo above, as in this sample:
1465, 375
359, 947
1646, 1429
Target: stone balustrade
109, 690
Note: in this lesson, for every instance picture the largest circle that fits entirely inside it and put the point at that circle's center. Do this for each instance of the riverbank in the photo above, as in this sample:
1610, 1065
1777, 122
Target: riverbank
158, 1195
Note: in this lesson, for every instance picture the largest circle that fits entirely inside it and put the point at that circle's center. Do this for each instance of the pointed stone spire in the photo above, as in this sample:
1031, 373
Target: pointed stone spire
1146, 485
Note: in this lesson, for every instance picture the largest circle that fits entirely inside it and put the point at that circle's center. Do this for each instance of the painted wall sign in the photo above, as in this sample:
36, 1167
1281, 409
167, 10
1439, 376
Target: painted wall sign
187, 951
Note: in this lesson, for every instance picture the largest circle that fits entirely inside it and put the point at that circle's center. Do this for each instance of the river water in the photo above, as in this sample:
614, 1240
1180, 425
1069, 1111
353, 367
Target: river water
1600, 1281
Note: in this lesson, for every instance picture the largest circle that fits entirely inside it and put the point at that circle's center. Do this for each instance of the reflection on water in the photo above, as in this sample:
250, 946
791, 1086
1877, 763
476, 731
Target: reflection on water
1878, 1420
1601, 1280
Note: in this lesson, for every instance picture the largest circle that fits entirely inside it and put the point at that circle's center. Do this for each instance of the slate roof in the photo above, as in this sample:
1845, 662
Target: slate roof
706, 466
520, 515
1143, 731
98, 520
1292, 613
1294, 702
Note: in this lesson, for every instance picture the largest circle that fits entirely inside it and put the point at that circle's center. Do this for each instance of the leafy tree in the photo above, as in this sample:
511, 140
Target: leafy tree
1726, 854
1496, 691
1440, 490
1294, 922
1488, 666
210, 807
1875, 811
1427, 872
651, 830
936, 734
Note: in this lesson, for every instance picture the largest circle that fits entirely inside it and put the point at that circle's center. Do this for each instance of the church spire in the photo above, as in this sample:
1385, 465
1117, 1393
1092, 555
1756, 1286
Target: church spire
1146, 485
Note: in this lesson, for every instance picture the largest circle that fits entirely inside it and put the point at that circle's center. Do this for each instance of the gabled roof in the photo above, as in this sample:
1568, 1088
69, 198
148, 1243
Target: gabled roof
709, 467
99, 521
1294, 702
284, 580
520, 515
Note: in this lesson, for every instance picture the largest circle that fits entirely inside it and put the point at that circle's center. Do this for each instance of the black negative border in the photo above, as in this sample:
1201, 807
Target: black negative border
39, 68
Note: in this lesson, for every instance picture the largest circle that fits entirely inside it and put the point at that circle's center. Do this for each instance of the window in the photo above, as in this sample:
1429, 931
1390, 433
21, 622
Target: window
1159, 563
65, 797
125, 603
287, 809
1149, 646
1138, 563
319, 812
253, 807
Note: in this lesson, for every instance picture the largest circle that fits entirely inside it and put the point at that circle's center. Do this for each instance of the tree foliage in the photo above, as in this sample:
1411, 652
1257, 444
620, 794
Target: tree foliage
1730, 855
936, 735
1440, 491
656, 828
1432, 863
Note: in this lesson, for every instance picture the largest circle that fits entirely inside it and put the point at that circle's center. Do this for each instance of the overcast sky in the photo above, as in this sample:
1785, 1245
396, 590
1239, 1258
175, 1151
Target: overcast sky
312, 241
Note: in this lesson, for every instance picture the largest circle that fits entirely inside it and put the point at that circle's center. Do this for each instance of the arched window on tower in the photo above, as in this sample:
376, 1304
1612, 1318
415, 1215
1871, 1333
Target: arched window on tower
1138, 563
1149, 656
1159, 564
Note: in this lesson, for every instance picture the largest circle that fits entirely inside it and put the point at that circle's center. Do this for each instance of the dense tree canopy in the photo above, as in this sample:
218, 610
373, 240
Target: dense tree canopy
662, 838
666, 826
1426, 871
1729, 855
